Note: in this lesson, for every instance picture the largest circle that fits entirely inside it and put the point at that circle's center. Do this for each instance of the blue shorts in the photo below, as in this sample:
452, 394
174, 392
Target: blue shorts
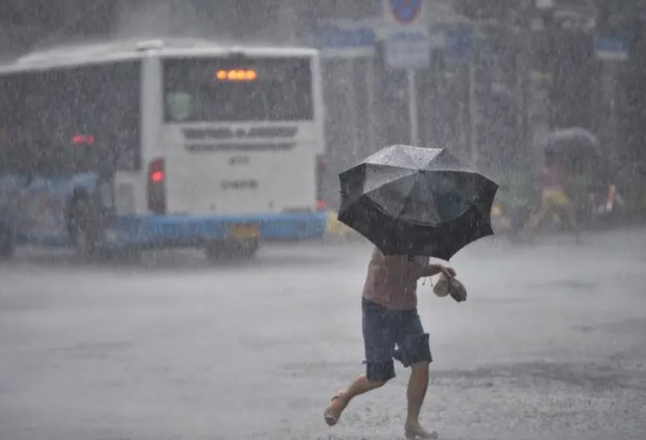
386, 329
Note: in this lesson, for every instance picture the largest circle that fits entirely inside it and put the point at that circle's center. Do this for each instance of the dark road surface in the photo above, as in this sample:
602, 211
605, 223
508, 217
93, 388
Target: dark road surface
550, 345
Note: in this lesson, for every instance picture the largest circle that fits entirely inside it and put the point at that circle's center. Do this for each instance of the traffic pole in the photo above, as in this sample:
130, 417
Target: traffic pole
413, 118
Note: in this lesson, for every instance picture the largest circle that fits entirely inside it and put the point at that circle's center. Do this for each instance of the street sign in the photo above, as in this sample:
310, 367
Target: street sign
610, 49
345, 39
406, 40
544, 4
458, 44
407, 50
405, 11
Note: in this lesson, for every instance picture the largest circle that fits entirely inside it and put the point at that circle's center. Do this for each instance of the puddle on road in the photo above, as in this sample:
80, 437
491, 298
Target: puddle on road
560, 285
536, 374
98, 350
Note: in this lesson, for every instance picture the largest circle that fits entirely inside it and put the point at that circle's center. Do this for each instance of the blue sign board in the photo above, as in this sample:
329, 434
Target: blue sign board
405, 11
458, 44
345, 39
609, 48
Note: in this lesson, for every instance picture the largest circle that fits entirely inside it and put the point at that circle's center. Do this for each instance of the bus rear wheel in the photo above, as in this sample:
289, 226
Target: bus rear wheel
83, 231
6, 243
227, 251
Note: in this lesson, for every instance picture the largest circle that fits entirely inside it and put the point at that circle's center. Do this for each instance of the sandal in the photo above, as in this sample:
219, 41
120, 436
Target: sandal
331, 418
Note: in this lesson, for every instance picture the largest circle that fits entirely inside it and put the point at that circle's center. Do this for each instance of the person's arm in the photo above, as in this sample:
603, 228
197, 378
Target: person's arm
437, 268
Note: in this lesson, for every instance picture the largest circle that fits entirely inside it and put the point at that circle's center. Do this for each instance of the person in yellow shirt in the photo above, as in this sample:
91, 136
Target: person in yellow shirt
552, 184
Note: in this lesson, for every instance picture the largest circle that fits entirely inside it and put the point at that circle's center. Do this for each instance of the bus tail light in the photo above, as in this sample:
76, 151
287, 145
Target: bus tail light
320, 165
320, 170
157, 186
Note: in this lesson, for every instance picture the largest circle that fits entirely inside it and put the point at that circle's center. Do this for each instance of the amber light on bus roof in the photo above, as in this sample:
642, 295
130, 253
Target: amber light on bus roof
236, 75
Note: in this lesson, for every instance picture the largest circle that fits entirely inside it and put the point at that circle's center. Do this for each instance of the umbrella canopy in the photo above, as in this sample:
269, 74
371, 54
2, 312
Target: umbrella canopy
416, 201
573, 142
579, 148
572, 137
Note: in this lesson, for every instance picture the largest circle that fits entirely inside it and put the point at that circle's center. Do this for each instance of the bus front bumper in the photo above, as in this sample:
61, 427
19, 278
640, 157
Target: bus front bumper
157, 231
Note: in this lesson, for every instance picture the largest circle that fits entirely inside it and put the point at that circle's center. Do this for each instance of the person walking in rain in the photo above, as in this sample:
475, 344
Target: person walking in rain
392, 329
552, 185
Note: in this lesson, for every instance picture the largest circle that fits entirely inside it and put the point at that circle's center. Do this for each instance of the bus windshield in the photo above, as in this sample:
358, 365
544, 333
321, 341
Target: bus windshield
238, 90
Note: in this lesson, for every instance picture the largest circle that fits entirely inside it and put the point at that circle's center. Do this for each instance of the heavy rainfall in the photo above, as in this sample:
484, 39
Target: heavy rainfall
322, 219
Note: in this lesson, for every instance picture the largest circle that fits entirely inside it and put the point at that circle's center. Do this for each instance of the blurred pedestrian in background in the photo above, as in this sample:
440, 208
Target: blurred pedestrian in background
552, 186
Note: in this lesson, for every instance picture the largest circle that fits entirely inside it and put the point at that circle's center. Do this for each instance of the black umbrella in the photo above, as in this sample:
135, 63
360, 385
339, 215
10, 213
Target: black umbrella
416, 201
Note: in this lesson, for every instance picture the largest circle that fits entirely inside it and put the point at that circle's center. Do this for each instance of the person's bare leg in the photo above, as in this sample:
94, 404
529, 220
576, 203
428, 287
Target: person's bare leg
533, 222
574, 225
361, 385
416, 392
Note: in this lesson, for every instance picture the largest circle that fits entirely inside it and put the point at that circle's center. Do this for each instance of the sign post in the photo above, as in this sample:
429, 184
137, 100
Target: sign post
348, 42
370, 87
413, 116
407, 46
611, 52
459, 48
473, 114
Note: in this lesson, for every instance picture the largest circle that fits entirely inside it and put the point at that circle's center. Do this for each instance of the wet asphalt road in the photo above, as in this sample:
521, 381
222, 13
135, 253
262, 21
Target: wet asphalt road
550, 344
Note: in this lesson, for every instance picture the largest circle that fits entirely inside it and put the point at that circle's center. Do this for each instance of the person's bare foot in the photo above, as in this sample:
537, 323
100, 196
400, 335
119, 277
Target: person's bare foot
334, 410
415, 431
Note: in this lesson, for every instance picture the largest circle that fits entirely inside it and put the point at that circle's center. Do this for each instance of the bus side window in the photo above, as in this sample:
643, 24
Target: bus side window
11, 153
4, 152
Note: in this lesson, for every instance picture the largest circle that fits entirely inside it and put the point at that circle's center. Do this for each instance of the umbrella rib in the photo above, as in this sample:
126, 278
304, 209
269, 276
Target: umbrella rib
412, 222
405, 201
409, 172
389, 182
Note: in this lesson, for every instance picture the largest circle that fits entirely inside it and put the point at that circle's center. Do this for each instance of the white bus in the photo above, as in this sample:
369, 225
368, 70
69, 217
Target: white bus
132, 145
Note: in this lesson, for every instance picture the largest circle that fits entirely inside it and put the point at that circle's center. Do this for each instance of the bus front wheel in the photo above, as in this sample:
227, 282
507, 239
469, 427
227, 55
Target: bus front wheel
238, 250
6, 243
127, 256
